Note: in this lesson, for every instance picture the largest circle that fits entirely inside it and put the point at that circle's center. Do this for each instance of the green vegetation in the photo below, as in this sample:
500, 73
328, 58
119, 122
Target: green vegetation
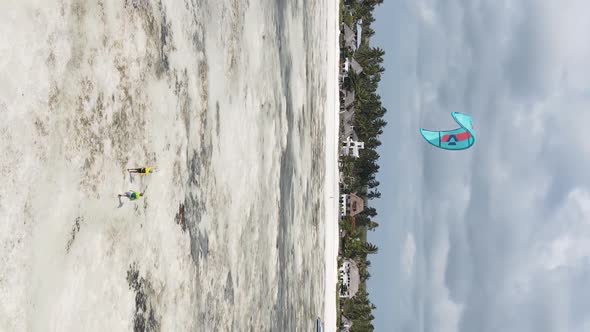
359, 174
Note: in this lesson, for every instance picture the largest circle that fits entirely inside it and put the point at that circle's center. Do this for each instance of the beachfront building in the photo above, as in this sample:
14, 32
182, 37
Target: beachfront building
351, 144
345, 324
347, 116
351, 147
352, 38
351, 205
347, 124
346, 99
355, 205
349, 38
343, 72
347, 65
355, 66
343, 202
349, 277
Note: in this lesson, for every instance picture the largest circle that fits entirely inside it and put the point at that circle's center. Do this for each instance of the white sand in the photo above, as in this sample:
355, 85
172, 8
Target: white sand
80, 101
332, 175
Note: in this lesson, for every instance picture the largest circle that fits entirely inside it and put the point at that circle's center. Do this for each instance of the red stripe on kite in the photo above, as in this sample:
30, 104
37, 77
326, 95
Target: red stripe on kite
458, 137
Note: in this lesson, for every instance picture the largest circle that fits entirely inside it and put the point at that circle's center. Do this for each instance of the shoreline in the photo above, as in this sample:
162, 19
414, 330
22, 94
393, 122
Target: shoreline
332, 118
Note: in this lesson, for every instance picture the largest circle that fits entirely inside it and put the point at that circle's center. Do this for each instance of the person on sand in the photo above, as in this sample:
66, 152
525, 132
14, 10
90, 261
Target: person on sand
142, 170
132, 195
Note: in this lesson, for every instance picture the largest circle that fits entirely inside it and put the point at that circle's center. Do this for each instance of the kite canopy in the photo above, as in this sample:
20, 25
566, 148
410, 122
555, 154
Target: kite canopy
458, 139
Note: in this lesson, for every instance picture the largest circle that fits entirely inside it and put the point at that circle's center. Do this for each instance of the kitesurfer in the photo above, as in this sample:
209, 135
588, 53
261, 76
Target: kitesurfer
132, 195
142, 170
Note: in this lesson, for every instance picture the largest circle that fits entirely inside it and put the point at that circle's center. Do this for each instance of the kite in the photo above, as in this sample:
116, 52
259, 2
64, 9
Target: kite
459, 139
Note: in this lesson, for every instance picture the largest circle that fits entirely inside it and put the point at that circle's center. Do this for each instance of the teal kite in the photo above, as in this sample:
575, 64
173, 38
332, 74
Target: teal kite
459, 139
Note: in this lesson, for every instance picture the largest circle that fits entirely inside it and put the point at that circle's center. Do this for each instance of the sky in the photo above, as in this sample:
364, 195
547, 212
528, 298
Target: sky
497, 237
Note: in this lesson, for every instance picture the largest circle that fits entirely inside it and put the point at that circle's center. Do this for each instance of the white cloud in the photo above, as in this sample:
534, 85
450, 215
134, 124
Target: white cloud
504, 227
408, 255
426, 12
446, 313
567, 243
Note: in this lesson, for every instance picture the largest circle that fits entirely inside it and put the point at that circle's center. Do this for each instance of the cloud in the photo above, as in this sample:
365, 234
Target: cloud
408, 255
426, 12
444, 314
564, 242
501, 229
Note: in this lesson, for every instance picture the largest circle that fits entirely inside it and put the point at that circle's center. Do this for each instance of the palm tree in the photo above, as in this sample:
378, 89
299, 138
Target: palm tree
372, 225
371, 248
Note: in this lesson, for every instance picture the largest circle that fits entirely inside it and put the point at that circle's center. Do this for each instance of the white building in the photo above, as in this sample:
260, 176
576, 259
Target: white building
351, 147
343, 204
349, 277
344, 72
346, 66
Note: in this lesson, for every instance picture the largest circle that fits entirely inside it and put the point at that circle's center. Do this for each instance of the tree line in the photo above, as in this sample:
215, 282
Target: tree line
359, 174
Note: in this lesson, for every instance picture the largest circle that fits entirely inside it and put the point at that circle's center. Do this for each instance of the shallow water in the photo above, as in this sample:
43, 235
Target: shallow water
226, 98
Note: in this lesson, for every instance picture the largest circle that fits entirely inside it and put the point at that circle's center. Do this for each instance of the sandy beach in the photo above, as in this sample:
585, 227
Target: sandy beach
235, 102
332, 173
